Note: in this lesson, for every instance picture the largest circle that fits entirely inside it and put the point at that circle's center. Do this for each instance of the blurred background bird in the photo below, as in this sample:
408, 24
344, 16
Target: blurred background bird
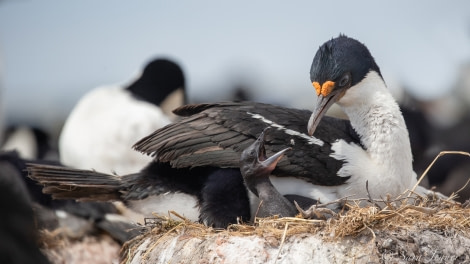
107, 121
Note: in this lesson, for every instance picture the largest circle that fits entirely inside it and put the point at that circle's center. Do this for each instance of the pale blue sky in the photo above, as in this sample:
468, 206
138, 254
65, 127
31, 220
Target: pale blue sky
52, 52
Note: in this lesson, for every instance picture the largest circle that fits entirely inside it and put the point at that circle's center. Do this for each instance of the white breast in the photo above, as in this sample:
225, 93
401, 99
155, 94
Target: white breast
102, 128
386, 162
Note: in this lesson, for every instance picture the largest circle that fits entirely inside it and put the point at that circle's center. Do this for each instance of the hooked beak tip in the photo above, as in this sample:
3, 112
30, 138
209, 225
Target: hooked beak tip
272, 161
310, 132
323, 104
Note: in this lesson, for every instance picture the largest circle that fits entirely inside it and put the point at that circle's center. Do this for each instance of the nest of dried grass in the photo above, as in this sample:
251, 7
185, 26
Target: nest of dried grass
425, 212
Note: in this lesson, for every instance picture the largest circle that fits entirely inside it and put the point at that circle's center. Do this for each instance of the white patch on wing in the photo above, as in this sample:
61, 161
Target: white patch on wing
356, 159
310, 140
362, 168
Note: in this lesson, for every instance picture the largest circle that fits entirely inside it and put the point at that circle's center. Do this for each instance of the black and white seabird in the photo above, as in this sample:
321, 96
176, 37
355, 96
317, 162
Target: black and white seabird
330, 158
107, 121
336, 156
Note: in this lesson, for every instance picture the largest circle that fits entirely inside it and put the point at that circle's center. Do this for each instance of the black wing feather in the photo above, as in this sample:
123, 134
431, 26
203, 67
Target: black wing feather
216, 134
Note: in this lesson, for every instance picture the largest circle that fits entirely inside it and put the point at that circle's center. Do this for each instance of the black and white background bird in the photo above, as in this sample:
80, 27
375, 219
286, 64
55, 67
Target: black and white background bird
105, 123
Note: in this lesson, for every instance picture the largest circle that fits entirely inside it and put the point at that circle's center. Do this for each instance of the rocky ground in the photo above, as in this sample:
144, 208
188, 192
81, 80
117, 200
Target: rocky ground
401, 245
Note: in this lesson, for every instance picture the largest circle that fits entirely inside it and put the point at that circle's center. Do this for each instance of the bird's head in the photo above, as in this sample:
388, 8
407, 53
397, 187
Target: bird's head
253, 161
338, 65
162, 83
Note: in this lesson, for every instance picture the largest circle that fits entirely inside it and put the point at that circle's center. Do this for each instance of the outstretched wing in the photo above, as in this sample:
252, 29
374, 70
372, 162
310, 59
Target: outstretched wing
216, 134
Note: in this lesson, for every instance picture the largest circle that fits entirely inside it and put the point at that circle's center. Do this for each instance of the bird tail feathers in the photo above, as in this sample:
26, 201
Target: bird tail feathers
82, 185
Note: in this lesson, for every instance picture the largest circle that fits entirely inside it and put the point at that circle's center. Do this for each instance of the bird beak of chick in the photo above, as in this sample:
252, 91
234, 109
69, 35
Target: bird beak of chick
270, 163
327, 96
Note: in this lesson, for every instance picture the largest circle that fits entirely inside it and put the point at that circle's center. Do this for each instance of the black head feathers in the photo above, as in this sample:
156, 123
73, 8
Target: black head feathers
160, 78
341, 55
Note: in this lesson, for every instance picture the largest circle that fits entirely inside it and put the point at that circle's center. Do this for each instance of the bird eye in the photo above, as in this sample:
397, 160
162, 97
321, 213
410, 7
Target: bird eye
345, 80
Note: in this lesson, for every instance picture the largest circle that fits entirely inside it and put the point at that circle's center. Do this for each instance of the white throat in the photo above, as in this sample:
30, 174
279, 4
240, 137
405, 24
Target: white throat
377, 119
